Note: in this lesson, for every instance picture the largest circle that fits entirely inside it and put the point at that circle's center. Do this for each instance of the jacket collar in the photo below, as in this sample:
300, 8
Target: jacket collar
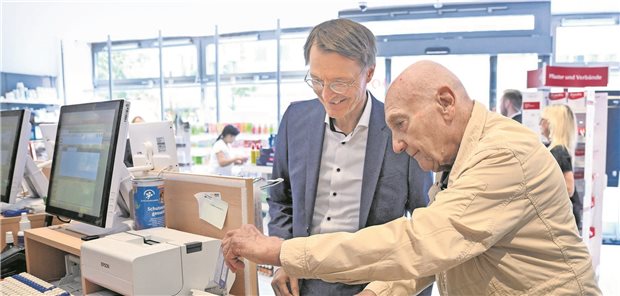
471, 137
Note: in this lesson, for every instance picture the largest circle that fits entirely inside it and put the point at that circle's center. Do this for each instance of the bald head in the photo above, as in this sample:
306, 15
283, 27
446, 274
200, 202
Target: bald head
427, 109
421, 80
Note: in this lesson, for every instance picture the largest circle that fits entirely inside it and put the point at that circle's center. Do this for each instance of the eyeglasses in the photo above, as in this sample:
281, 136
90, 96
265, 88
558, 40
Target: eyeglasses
338, 87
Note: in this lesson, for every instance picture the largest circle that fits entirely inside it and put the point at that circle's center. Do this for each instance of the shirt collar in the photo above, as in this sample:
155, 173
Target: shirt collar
364, 119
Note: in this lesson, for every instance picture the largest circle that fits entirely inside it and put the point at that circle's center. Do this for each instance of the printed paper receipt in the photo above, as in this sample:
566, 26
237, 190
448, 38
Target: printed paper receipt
212, 208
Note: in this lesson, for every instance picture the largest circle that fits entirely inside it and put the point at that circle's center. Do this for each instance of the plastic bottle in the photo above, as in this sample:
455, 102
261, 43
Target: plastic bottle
253, 154
9, 241
20, 239
24, 223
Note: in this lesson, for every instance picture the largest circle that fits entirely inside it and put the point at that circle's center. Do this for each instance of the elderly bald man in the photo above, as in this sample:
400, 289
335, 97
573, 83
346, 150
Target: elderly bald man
501, 224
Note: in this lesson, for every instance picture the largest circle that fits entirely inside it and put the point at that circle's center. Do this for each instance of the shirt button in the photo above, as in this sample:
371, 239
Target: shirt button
329, 218
338, 170
343, 143
334, 194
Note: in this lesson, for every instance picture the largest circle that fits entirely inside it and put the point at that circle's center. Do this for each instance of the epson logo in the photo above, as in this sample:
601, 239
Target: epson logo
105, 265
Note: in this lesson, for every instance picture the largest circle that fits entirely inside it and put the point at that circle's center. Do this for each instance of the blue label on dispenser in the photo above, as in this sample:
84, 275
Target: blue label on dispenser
148, 201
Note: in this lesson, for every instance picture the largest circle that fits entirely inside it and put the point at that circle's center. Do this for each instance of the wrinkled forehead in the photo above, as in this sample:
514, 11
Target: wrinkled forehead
395, 106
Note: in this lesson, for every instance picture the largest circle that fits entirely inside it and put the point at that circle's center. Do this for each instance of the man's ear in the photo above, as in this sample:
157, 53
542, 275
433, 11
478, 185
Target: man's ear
370, 73
446, 100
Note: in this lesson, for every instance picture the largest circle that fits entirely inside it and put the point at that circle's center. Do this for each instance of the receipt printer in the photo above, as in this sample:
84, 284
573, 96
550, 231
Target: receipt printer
155, 261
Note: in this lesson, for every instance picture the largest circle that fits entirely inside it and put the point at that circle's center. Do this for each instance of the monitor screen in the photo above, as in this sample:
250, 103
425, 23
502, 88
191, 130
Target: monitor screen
84, 160
14, 137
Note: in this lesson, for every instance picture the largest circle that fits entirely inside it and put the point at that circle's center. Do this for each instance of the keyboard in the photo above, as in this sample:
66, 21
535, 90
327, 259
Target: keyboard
27, 284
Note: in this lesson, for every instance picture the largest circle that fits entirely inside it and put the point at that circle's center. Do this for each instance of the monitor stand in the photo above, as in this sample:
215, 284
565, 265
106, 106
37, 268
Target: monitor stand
121, 220
119, 225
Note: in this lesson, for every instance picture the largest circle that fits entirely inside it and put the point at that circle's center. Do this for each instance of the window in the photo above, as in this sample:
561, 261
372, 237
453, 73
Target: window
180, 61
292, 53
292, 90
185, 102
144, 102
247, 56
248, 102
128, 64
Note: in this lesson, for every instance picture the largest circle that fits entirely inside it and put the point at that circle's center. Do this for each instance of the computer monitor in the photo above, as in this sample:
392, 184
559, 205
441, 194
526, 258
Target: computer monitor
153, 146
15, 135
87, 168
18, 169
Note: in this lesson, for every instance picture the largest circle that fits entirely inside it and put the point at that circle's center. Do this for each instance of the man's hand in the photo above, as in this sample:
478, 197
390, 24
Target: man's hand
366, 293
248, 242
278, 284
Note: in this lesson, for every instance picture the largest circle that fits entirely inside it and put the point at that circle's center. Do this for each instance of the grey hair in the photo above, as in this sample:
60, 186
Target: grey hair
344, 37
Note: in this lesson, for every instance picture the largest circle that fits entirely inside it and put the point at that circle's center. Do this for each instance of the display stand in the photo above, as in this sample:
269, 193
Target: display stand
590, 111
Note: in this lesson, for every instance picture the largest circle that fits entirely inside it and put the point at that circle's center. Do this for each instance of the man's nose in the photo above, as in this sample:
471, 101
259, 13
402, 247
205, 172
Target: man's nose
398, 146
327, 93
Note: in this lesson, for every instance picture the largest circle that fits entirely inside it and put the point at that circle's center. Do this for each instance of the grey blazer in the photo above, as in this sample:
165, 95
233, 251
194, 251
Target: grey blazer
392, 183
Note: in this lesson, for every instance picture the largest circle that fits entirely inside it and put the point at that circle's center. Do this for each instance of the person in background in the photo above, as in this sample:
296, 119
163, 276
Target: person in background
558, 126
221, 160
511, 104
137, 119
335, 153
128, 156
499, 225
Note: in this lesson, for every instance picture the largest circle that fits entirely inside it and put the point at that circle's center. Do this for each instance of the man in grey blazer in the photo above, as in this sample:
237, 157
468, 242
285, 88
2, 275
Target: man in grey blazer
335, 153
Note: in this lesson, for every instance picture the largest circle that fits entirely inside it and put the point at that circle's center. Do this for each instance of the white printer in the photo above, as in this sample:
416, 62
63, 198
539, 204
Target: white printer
155, 261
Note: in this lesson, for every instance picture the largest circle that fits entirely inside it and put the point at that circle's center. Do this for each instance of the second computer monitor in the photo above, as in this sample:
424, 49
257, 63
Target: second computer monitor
154, 143
15, 134
88, 162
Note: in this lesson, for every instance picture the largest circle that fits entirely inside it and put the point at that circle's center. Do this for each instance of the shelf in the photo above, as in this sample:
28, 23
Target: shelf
240, 137
30, 102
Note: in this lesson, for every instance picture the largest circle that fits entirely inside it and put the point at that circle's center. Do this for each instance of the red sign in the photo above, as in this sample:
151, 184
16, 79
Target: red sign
578, 174
557, 96
555, 76
580, 151
576, 95
531, 105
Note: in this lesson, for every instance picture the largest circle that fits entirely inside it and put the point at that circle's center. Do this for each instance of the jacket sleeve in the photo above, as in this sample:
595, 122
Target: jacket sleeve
403, 287
419, 183
480, 207
281, 200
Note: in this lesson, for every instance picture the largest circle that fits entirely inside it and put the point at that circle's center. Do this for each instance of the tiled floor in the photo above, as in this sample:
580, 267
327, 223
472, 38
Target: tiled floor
608, 273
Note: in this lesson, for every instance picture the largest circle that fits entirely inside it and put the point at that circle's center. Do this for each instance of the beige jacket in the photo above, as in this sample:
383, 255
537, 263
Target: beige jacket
504, 226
